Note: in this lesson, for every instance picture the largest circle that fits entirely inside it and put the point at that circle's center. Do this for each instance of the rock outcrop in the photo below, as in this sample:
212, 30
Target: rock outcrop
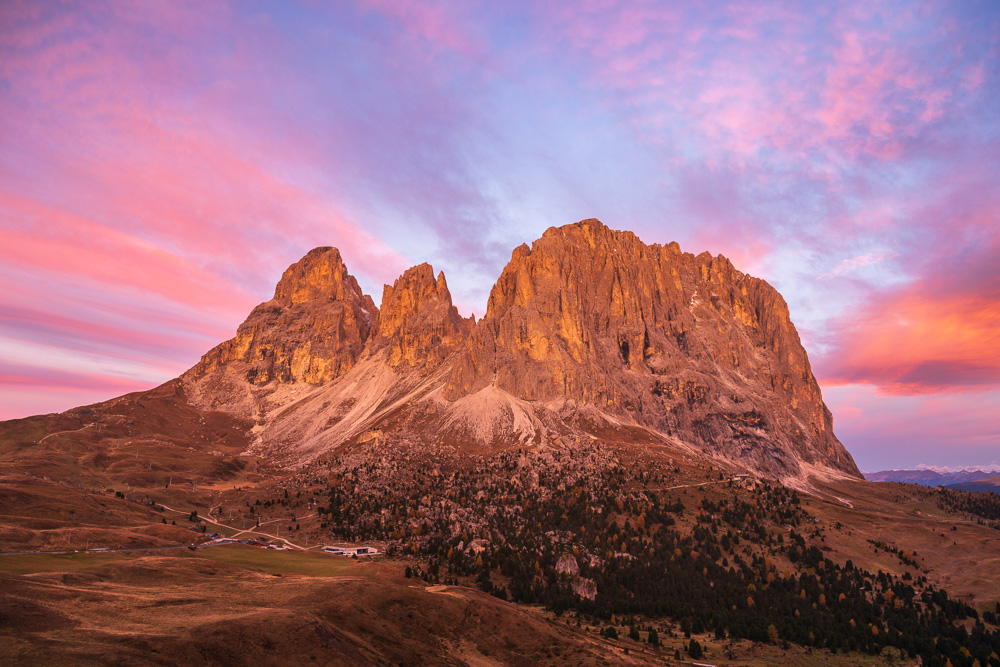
586, 324
418, 323
313, 330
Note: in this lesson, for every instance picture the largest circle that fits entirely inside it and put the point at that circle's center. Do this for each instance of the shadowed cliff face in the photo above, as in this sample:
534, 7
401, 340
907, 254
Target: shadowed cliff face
685, 346
313, 330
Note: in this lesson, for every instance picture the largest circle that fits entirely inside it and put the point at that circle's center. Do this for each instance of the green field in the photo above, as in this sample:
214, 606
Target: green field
239, 555
284, 562
35, 563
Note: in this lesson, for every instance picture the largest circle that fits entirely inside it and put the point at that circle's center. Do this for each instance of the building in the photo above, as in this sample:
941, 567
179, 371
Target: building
351, 551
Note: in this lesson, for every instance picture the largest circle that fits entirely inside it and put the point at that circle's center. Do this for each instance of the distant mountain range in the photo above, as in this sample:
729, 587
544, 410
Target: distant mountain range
991, 483
969, 480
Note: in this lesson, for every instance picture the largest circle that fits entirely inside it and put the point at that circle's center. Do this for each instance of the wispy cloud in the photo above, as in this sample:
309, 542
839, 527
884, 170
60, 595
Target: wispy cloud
846, 266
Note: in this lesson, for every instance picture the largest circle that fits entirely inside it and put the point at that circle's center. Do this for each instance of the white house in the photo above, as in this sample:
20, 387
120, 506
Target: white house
351, 551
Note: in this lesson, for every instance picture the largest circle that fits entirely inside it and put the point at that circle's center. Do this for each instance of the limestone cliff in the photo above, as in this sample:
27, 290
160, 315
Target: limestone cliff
588, 326
313, 330
687, 345
418, 323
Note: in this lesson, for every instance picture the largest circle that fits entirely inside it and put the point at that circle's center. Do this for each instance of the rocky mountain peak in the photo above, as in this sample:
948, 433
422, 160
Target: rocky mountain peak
321, 274
313, 330
592, 233
418, 322
408, 295
683, 344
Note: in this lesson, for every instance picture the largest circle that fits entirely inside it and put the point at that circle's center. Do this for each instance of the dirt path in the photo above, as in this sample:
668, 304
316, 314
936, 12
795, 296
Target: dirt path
44, 438
249, 531
688, 486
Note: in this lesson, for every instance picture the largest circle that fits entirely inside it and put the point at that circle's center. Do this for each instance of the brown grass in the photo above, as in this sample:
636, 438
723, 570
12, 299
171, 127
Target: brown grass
241, 605
238, 604
964, 561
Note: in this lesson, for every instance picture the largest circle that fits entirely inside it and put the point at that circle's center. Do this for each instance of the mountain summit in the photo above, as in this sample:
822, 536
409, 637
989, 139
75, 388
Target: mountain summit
313, 330
589, 334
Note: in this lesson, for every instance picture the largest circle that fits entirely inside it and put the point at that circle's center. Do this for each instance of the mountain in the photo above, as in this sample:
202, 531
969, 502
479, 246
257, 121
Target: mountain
582, 449
313, 330
928, 477
589, 333
991, 483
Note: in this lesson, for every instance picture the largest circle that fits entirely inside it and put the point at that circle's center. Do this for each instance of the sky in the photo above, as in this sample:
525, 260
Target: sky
161, 164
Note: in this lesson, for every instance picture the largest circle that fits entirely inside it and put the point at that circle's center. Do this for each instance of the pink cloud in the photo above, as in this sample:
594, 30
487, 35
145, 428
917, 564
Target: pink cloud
843, 82
121, 338
437, 24
63, 243
185, 174
936, 335
846, 266
40, 380
887, 431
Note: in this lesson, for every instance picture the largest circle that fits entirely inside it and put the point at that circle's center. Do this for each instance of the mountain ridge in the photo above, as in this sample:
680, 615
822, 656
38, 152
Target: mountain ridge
931, 477
588, 333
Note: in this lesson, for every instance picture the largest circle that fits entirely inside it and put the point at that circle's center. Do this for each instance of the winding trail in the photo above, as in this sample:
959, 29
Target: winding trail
688, 486
245, 531
44, 438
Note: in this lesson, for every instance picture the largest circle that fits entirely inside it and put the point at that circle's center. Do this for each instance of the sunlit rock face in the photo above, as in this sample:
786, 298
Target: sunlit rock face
418, 323
313, 330
685, 344
587, 320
